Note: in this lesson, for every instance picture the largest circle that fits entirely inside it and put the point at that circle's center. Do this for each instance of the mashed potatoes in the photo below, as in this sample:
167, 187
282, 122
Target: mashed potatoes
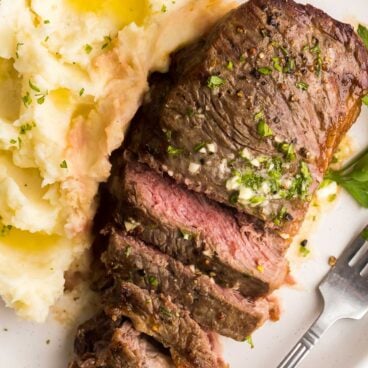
72, 74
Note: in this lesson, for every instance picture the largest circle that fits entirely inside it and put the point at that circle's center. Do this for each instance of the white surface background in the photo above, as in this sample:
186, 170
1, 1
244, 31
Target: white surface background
24, 344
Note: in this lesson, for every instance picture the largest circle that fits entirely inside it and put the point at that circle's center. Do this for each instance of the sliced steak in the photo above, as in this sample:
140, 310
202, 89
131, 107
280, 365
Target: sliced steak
252, 114
216, 309
235, 249
156, 316
103, 343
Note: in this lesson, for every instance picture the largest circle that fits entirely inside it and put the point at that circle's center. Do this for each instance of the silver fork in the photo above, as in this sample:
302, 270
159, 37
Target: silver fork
345, 295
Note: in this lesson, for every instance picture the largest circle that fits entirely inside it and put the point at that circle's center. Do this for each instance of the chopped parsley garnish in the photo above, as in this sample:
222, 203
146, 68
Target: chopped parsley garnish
27, 100
249, 340
46, 21
173, 151
363, 33
185, 234
265, 70
13, 141
199, 146
81, 92
242, 58
107, 42
288, 151
315, 49
263, 129
19, 44
280, 217
164, 8
153, 281
303, 251
365, 100
234, 198
290, 66
64, 165
256, 200
5, 230
164, 312
41, 99
276, 64
215, 81
302, 85
88, 48
259, 116
230, 65
27, 127
33, 86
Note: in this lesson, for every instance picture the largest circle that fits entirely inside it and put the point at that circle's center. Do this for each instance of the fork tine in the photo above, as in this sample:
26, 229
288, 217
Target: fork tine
352, 249
362, 262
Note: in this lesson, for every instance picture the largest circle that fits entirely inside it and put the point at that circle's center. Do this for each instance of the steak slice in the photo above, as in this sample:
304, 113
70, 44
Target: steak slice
103, 343
156, 316
235, 249
216, 309
252, 114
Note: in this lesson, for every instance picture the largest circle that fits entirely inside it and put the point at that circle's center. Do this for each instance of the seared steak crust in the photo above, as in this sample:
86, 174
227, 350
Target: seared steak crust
104, 343
216, 309
155, 315
268, 94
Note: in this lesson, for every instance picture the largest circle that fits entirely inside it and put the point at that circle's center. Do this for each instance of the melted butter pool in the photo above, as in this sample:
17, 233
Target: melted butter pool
122, 12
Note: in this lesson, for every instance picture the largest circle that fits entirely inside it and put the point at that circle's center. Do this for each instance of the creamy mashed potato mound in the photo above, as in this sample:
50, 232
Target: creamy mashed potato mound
72, 75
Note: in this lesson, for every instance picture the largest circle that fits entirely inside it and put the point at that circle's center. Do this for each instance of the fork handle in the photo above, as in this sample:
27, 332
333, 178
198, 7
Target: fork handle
307, 342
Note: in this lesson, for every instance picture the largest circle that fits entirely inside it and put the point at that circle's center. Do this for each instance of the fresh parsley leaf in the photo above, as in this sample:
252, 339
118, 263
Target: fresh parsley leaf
303, 251
276, 64
153, 281
173, 151
33, 86
363, 33
88, 48
64, 165
353, 178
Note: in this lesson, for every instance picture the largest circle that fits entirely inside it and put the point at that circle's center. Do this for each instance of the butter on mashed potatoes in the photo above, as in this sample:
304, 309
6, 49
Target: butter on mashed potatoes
72, 75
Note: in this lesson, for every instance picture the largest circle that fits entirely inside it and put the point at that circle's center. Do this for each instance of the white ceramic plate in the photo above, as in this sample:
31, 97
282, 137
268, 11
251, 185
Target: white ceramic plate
28, 345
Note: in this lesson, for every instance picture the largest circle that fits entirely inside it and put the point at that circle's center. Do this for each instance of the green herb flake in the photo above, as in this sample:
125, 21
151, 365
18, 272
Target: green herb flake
199, 146
234, 198
46, 21
153, 281
128, 251
265, 70
164, 8
215, 81
288, 151
263, 129
13, 141
276, 64
165, 312
33, 86
259, 116
256, 200
64, 165
81, 92
242, 58
230, 65
27, 100
290, 66
186, 235
304, 251
365, 100
364, 234
302, 85
363, 33
280, 217
173, 151
249, 340
19, 44
41, 100
315, 49
107, 42
88, 48
5, 230
24, 128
